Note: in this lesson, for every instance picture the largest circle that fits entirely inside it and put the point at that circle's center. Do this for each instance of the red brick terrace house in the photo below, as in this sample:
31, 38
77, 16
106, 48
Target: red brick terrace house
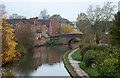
55, 27
41, 28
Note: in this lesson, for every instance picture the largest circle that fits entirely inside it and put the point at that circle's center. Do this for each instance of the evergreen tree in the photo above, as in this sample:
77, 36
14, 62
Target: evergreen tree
115, 31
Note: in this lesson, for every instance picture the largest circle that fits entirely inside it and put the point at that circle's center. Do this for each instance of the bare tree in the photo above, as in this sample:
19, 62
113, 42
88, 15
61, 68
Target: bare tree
2, 10
43, 14
25, 37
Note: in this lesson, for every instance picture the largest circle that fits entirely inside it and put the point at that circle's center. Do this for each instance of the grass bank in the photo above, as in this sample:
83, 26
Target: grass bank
68, 65
91, 71
77, 56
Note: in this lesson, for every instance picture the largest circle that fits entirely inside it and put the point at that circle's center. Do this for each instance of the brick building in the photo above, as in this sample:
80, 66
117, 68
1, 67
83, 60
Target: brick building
41, 28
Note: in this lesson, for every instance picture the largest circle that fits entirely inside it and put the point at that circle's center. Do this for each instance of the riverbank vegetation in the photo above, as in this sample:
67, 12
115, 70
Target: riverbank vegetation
77, 56
68, 65
100, 50
8, 43
15, 45
98, 62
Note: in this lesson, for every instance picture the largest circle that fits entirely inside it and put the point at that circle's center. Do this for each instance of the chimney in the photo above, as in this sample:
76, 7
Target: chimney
36, 17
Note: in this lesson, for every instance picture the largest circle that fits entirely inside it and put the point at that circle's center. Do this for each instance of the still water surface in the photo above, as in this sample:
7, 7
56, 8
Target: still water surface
42, 61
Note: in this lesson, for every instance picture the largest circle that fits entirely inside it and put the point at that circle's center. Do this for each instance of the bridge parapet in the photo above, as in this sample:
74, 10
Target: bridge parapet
68, 36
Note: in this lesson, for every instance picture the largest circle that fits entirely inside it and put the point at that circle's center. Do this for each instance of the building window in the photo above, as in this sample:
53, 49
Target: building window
39, 36
19, 26
46, 34
38, 27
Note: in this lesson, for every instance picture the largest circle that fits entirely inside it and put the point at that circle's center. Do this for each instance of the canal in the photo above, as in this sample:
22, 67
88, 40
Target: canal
42, 61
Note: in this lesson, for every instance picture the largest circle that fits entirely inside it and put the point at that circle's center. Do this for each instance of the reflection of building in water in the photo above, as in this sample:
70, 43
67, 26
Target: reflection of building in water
38, 59
47, 56
53, 57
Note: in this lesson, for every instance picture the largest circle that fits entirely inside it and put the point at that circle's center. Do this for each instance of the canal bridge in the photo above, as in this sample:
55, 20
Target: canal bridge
69, 37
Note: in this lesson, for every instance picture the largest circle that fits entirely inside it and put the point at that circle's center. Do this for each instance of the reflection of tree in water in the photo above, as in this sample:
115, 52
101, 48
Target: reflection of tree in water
7, 72
26, 65
39, 56
53, 54
49, 55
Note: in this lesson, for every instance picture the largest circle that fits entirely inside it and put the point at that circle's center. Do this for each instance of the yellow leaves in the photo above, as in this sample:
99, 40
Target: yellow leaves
0, 26
8, 44
66, 29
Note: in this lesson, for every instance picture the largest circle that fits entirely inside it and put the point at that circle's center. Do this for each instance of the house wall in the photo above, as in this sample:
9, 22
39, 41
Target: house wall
55, 27
50, 29
38, 24
44, 29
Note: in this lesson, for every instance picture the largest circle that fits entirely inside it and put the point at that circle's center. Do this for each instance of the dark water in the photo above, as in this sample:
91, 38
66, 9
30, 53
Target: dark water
43, 61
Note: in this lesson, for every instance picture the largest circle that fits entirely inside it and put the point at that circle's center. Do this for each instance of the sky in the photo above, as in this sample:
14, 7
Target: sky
66, 8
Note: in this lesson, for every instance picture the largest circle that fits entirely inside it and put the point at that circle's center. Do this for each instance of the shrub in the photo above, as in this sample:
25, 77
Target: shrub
90, 57
102, 47
92, 47
84, 49
101, 56
109, 67
93, 72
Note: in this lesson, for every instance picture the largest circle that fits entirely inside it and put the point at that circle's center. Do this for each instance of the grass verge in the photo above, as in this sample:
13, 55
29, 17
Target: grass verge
68, 65
77, 56
93, 72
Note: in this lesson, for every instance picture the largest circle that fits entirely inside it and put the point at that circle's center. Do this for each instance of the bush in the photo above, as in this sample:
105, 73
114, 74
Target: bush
93, 72
101, 56
84, 49
92, 47
90, 57
109, 67
102, 47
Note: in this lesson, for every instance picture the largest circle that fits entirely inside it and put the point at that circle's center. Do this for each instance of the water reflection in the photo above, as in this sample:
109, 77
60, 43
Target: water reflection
43, 61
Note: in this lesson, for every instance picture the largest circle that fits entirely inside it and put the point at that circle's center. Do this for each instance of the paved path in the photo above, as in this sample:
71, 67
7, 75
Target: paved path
76, 67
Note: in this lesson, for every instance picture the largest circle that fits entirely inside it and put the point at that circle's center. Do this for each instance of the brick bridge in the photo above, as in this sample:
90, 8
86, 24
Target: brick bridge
67, 38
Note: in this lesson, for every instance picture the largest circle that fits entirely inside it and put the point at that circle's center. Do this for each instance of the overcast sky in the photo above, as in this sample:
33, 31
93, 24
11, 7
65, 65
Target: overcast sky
66, 8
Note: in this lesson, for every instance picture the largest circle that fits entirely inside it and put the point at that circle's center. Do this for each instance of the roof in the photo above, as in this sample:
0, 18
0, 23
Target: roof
45, 22
13, 21
30, 22
64, 21
23, 21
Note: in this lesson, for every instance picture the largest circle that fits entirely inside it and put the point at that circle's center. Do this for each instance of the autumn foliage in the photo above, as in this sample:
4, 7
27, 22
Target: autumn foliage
8, 43
67, 29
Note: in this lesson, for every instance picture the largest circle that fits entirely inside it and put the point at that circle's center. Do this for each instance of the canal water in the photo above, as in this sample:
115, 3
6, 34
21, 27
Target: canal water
42, 61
